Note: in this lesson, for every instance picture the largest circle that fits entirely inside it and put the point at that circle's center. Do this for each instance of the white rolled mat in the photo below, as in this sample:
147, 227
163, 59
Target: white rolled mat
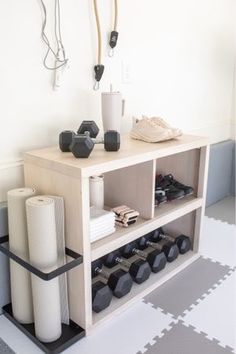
96, 191
21, 294
43, 254
61, 260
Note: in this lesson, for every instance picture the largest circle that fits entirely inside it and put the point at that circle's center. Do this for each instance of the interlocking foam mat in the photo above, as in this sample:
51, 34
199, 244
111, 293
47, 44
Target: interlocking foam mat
194, 312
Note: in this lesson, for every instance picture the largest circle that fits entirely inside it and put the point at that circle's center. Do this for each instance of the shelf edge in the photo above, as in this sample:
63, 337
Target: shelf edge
146, 227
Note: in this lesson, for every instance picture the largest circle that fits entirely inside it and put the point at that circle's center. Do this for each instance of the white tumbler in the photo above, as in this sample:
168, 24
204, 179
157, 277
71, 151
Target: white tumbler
96, 191
112, 110
43, 255
21, 292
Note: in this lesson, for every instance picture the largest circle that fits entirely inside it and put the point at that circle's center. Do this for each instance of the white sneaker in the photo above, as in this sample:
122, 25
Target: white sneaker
148, 130
164, 124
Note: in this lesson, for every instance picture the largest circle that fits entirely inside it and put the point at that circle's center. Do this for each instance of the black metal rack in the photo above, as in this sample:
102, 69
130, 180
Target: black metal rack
70, 333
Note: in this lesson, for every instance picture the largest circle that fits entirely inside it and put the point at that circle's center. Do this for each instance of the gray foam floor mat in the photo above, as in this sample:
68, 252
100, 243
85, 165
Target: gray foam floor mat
184, 340
4, 349
182, 291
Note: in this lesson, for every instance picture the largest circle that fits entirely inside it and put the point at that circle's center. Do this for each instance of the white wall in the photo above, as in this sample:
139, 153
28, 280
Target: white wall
180, 55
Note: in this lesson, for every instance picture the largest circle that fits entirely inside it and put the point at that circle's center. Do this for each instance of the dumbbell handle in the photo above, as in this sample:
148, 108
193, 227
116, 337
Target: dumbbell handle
154, 245
123, 261
139, 253
105, 274
167, 237
95, 140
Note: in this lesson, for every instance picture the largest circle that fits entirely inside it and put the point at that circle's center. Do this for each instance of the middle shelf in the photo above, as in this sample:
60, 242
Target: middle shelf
164, 214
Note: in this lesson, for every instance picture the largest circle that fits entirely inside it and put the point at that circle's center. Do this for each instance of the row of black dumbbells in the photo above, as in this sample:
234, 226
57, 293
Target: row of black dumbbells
120, 282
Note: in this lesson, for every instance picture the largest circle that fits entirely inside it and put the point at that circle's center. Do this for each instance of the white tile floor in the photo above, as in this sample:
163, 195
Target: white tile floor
216, 314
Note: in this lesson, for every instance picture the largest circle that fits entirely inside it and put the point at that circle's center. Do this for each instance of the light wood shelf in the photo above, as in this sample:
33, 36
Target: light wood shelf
163, 215
129, 179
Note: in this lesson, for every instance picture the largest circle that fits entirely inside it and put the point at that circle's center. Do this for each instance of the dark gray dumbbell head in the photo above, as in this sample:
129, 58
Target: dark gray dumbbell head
171, 251
96, 264
140, 271
65, 139
127, 250
88, 126
101, 296
142, 242
183, 242
120, 282
111, 140
157, 260
155, 235
110, 259
81, 146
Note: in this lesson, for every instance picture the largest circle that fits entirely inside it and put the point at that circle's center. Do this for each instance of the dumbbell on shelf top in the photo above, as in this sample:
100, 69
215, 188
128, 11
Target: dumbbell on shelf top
138, 269
183, 242
120, 282
170, 249
82, 144
156, 259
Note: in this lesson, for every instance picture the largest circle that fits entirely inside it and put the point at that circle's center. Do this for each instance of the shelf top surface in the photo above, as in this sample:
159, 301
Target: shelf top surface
131, 152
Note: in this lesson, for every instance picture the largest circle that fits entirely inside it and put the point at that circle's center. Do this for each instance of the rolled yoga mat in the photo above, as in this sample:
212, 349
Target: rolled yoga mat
61, 260
21, 294
96, 191
43, 254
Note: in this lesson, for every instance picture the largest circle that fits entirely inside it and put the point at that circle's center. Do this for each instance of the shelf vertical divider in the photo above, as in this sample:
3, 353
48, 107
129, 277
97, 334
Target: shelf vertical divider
201, 192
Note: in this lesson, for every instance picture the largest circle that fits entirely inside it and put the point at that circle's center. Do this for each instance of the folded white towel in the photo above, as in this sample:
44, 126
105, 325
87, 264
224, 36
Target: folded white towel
101, 235
100, 214
101, 229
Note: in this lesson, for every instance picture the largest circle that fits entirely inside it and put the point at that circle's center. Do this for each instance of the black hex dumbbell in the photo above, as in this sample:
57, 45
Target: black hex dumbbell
139, 269
156, 259
171, 250
82, 143
101, 296
120, 282
111, 139
183, 242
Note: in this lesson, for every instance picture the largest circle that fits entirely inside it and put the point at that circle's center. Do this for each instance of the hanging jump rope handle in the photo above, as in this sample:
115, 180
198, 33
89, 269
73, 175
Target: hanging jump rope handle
113, 41
98, 69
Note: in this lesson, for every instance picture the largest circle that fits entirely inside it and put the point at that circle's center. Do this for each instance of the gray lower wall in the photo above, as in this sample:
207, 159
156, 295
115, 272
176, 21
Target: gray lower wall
233, 172
4, 262
221, 177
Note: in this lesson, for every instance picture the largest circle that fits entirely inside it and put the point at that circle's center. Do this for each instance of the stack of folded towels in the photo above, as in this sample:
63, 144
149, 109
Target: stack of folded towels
102, 223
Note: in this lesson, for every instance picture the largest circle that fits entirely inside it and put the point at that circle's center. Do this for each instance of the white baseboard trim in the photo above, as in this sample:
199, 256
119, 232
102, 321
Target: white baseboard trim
11, 176
10, 164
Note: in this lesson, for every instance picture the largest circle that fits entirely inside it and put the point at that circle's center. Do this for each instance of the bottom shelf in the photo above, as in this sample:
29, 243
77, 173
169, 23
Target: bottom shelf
70, 334
139, 291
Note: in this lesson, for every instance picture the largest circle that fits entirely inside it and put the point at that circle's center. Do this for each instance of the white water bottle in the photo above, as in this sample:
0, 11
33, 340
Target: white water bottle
112, 110
96, 189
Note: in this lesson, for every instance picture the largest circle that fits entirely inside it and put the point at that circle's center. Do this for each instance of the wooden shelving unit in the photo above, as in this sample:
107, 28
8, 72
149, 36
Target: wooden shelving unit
129, 179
